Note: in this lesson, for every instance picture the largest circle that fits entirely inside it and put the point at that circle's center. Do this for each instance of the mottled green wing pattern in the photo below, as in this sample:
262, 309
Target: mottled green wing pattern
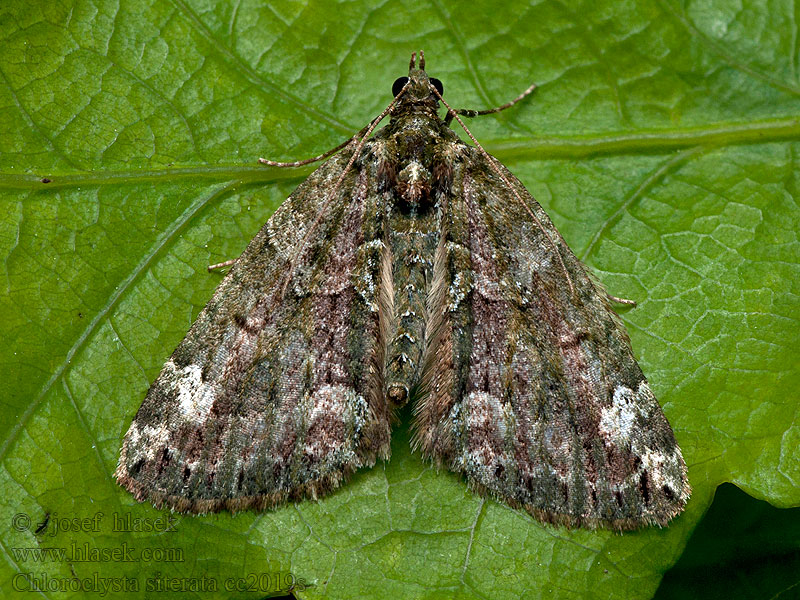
532, 390
276, 392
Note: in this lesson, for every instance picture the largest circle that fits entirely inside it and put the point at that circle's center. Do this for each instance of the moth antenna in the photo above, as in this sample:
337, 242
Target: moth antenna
497, 170
300, 163
413, 62
422, 60
466, 112
324, 208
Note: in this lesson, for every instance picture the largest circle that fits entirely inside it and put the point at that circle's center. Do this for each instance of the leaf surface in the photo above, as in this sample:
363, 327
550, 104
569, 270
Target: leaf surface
662, 141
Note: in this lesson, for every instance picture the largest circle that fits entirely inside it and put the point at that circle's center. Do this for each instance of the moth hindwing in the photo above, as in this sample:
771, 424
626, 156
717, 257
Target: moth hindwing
409, 267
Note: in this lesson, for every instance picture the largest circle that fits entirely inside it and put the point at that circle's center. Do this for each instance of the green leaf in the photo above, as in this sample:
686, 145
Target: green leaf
662, 141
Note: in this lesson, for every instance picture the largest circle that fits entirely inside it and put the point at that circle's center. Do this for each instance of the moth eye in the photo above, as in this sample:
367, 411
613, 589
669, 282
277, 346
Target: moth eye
438, 85
398, 85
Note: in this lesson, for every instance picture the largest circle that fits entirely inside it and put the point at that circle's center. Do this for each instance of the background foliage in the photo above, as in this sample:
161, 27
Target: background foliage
662, 141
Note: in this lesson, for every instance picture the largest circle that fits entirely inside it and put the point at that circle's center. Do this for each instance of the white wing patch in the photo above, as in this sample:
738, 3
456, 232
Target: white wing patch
195, 397
618, 421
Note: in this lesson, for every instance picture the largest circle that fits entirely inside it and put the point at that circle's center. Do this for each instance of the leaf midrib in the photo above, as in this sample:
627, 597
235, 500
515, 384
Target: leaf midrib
518, 148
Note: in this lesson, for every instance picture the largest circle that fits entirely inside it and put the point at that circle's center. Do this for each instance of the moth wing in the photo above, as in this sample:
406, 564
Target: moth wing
530, 386
274, 394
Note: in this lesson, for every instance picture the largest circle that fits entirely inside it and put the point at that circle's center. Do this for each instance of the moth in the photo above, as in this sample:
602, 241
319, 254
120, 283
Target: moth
410, 267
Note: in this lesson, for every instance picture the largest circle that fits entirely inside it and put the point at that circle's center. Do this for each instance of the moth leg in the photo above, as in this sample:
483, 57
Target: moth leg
221, 265
466, 112
621, 300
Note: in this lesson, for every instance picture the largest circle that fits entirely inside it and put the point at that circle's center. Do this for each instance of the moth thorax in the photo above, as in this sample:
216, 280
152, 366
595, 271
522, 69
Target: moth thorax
414, 184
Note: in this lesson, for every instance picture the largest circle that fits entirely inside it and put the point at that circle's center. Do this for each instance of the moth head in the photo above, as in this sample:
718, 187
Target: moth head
418, 86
